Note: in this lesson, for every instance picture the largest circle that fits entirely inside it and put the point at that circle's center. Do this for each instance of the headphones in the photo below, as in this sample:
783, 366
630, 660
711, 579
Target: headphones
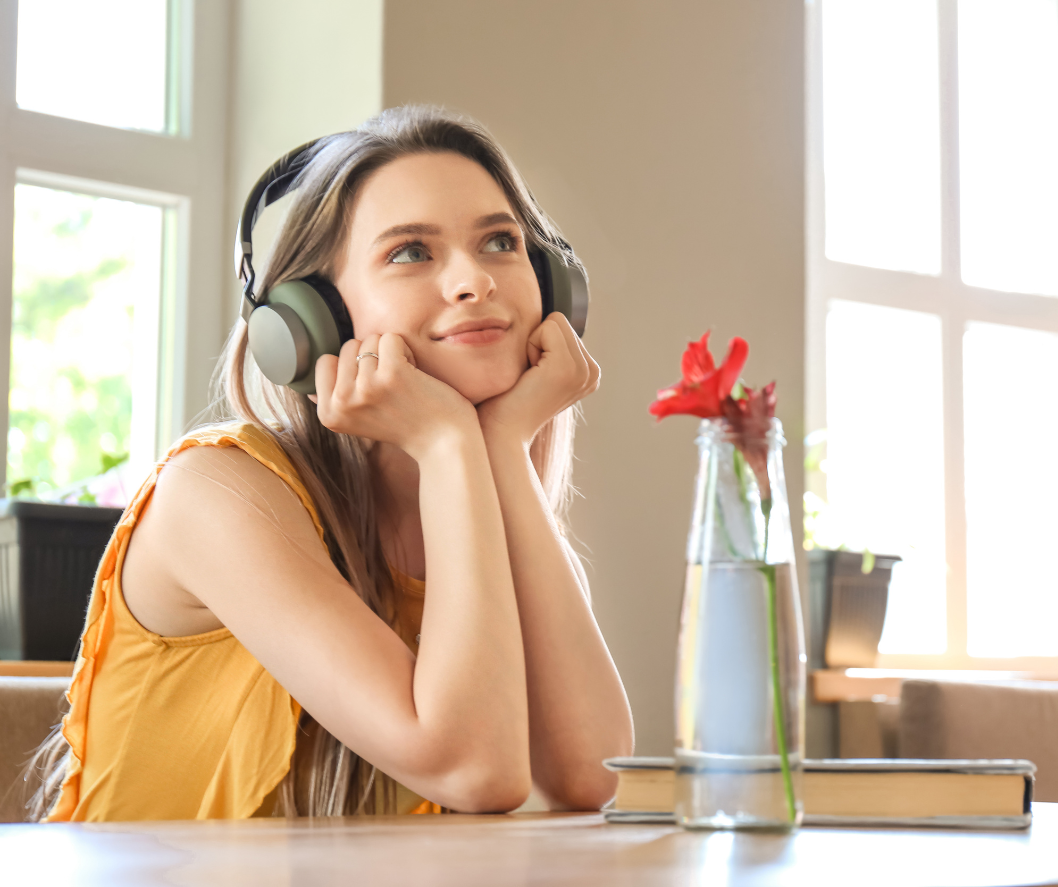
296, 322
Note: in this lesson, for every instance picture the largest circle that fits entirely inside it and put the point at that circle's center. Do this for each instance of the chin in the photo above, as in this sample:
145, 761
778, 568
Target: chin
478, 375
479, 393
478, 387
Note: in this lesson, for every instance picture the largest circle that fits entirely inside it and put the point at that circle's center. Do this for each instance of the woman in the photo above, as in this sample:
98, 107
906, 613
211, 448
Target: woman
262, 630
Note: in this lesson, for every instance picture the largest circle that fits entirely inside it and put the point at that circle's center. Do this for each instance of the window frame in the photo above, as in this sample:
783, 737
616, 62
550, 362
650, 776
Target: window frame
183, 170
956, 303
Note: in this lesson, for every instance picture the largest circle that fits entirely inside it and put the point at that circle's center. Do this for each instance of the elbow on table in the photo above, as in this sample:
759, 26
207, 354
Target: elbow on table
475, 777
490, 789
587, 788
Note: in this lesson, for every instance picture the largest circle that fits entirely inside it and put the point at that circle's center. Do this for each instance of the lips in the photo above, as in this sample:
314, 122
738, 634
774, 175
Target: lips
474, 332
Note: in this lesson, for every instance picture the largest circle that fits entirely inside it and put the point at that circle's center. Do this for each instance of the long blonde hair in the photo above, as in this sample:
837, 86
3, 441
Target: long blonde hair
326, 778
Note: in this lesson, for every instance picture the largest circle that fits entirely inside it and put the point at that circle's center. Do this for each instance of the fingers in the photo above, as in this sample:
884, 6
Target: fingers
557, 336
369, 356
591, 381
343, 379
392, 349
327, 374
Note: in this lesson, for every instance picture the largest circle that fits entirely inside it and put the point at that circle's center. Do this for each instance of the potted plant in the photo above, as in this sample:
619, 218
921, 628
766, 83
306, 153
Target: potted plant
49, 552
848, 591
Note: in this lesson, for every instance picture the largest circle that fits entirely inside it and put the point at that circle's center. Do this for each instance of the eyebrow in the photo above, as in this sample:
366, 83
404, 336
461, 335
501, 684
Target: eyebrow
495, 219
423, 228
411, 228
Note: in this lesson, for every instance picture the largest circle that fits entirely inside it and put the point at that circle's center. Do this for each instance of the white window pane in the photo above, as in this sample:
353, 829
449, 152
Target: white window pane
881, 134
1008, 142
885, 458
103, 61
84, 340
1011, 490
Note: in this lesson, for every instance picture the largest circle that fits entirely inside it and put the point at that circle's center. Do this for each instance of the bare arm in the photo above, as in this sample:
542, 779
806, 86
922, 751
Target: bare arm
578, 712
452, 725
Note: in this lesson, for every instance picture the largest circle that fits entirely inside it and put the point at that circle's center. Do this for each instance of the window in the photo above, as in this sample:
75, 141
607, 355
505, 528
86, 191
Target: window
112, 175
85, 331
933, 322
103, 62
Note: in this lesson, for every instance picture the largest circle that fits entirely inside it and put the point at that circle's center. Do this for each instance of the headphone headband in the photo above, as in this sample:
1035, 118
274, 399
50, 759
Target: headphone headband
270, 187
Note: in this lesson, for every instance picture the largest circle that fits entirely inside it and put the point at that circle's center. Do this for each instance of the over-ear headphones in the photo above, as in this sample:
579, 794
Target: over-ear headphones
296, 322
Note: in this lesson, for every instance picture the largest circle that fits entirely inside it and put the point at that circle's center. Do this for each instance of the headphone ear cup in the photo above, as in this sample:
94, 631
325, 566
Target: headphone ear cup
279, 343
562, 288
301, 321
335, 304
542, 269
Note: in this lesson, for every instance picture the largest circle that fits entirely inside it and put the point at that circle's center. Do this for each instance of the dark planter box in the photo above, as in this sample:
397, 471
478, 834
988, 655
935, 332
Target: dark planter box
846, 607
48, 560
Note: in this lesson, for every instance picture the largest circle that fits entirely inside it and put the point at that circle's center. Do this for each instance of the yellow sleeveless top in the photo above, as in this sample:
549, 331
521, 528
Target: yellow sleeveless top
188, 727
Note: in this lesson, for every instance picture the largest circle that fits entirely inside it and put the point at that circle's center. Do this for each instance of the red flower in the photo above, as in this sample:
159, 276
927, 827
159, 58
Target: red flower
704, 386
749, 418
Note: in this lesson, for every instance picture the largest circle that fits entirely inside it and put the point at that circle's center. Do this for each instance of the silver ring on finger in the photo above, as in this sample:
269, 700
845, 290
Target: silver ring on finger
360, 357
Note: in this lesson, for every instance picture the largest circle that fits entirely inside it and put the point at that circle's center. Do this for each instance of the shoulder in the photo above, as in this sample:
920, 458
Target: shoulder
248, 456
201, 483
212, 507
220, 523
225, 492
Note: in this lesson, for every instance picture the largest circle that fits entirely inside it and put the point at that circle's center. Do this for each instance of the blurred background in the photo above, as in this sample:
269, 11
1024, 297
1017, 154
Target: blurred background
865, 190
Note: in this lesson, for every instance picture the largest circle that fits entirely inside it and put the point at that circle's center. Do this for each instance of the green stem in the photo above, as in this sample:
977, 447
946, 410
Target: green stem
773, 654
765, 507
773, 641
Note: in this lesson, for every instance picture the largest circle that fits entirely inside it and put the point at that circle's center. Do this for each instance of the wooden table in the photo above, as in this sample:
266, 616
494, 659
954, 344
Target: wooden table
524, 849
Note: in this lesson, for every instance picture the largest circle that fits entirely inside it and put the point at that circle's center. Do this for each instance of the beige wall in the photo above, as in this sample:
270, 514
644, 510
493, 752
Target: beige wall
299, 71
666, 138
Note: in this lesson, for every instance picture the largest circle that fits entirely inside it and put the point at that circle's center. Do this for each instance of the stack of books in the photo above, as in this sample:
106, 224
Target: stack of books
866, 792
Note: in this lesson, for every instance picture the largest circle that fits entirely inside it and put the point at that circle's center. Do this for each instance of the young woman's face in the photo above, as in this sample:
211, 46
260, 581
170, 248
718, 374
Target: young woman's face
436, 255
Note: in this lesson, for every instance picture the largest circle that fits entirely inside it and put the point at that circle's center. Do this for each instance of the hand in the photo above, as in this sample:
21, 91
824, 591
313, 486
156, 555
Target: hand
387, 398
561, 372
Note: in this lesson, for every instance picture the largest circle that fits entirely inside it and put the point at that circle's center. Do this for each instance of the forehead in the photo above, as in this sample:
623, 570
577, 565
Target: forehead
447, 189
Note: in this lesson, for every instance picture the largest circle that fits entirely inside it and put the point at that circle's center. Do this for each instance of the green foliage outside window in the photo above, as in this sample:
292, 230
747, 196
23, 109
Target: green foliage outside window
76, 283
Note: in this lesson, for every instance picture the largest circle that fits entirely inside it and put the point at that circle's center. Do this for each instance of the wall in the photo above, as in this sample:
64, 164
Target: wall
666, 138
295, 77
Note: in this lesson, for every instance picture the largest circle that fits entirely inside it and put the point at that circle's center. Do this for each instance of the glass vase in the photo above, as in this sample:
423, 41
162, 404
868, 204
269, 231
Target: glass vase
740, 682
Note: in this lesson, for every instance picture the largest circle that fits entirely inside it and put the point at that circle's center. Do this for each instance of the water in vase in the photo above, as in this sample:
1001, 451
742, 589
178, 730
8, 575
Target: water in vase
738, 752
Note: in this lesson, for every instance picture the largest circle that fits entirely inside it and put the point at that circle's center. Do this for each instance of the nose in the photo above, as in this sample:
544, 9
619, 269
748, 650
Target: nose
464, 280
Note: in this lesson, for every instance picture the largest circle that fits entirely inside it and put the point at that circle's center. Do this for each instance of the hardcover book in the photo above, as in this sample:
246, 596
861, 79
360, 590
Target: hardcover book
988, 794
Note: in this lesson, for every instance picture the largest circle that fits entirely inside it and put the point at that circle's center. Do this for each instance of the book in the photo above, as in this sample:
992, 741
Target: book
985, 794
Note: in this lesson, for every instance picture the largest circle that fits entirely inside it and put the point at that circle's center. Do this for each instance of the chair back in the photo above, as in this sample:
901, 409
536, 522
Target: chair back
29, 709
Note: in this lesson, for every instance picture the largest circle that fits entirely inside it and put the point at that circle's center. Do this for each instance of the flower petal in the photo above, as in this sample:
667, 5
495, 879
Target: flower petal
685, 399
731, 368
697, 362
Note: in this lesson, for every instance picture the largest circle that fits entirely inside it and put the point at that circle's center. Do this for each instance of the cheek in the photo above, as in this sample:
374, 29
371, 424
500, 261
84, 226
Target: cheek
383, 312
527, 299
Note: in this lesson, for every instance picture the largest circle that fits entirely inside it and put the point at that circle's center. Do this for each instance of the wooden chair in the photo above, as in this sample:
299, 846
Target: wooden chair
1018, 719
29, 708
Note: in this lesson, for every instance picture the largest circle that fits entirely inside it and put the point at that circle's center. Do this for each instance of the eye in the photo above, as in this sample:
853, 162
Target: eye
501, 243
409, 254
